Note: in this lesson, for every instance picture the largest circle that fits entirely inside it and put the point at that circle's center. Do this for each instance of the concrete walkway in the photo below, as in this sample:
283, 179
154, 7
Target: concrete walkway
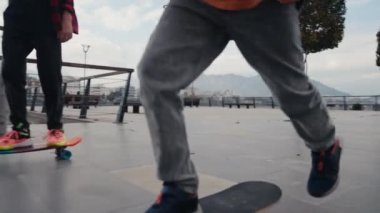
112, 171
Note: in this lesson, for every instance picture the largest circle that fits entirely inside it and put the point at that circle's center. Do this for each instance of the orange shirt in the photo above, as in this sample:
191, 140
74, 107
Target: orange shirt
239, 4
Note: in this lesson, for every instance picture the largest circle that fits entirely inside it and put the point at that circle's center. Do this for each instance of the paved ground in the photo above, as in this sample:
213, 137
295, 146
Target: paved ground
112, 171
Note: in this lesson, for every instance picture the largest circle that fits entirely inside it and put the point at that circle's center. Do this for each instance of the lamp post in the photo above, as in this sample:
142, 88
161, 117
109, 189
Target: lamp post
85, 47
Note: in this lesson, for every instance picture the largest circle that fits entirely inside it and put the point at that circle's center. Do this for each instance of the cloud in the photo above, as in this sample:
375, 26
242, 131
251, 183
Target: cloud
127, 18
231, 61
3, 5
357, 51
357, 2
103, 51
118, 32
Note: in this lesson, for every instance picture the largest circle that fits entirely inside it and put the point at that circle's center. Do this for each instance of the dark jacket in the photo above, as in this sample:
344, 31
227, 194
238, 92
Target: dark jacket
57, 8
26, 14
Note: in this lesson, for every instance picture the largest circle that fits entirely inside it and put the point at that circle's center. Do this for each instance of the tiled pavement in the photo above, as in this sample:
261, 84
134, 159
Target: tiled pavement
112, 170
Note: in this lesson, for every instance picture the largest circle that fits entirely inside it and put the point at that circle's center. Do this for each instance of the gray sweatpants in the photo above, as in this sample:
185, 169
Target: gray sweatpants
4, 109
189, 36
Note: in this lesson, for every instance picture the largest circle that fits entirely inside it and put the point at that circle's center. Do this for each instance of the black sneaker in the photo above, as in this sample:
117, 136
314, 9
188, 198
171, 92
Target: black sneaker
324, 175
174, 200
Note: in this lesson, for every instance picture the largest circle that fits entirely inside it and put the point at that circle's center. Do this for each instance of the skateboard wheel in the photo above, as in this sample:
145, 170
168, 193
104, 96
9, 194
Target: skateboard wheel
63, 154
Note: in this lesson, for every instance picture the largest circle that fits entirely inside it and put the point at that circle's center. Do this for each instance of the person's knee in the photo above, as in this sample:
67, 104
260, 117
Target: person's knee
150, 79
145, 71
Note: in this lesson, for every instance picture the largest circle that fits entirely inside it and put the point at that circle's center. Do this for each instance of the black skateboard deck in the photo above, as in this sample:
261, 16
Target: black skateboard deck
38, 144
246, 197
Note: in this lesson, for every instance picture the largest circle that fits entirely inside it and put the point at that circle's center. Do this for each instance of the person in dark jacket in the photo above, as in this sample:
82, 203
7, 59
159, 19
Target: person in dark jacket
378, 49
4, 108
40, 25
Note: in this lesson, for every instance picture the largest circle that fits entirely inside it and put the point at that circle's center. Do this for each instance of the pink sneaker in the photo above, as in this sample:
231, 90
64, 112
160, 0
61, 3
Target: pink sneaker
55, 137
12, 140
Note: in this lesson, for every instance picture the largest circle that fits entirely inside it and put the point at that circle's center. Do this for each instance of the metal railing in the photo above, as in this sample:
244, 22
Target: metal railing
86, 95
364, 102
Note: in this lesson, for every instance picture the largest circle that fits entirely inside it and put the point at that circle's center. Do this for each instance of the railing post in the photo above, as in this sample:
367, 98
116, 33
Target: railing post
44, 106
85, 97
238, 102
34, 99
123, 103
64, 89
344, 103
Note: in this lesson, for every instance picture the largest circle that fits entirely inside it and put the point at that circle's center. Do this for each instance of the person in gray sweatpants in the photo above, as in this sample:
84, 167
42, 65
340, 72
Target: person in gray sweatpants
4, 109
188, 37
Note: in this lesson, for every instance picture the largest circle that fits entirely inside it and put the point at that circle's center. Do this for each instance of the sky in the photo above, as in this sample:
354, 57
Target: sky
117, 32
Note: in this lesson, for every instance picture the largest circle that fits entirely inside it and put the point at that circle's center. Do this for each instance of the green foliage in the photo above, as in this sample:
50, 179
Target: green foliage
322, 24
117, 93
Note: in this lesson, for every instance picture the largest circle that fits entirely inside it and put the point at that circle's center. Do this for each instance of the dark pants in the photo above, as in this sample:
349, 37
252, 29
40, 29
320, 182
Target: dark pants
3, 108
17, 45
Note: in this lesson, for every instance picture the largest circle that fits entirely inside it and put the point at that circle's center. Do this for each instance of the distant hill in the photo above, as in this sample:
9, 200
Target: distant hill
247, 86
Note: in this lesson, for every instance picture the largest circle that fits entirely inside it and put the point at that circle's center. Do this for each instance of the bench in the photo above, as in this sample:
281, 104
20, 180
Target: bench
136, 104
191, 101
241, 104
76, 101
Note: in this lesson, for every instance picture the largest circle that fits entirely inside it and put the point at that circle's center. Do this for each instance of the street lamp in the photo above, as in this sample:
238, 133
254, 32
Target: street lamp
85, 47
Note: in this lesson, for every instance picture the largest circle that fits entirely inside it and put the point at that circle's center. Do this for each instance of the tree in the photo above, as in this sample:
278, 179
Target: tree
322, 24
116, 94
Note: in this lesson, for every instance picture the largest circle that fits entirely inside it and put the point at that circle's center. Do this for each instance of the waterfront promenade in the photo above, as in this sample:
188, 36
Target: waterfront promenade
112, 171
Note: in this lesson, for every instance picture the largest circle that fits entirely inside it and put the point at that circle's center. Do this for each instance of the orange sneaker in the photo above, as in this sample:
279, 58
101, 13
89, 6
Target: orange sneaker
55, 137
12, 140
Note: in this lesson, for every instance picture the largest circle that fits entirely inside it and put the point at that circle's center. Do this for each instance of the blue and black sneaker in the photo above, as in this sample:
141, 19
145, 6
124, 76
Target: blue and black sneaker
324, 175
174, 200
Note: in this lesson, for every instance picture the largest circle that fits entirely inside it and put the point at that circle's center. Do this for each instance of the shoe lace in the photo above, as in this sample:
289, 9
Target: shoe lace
159, 199
164, 195
321, 161
56, 133
10, 135
167, 196
322, 155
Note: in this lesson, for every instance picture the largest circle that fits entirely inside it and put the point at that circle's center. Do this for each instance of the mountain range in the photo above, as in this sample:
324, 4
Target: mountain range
232, 84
